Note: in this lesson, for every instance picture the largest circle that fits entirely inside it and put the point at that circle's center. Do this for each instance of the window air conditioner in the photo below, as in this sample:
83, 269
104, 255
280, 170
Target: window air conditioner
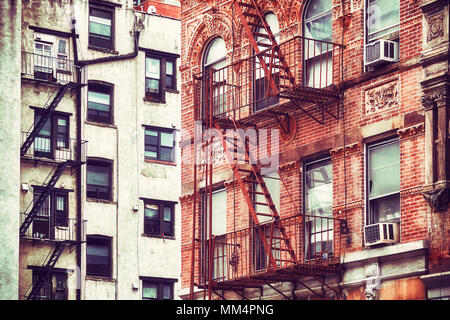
379, 52
381, 233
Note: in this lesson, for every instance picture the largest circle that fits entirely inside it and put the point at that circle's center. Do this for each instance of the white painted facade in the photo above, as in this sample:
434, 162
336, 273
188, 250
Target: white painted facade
134, 256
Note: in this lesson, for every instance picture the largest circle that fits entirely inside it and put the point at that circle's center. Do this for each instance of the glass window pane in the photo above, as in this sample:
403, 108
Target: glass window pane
167, 213
169, 82
317, 7
319, 29
151, 211
319, 188
384, 171
152, 85
62, 46
151, 137
47, 128
167, 291
98, 175
385, 209
169, 67
167, 139
153, 68
382, 14
166, 154
219, 212
99, 28
216, 51
99, 97
150, 291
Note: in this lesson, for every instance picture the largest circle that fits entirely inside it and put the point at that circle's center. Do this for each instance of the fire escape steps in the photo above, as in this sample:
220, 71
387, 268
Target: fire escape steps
48, 112
43, 196
47, 270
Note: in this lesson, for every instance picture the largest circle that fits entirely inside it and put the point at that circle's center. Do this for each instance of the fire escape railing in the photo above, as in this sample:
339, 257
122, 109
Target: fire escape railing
53, 228
47, 68
242, 88
47, 147
239, 255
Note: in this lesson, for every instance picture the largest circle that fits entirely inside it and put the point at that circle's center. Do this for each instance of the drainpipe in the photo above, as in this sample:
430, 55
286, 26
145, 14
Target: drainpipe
78, 158
132, 55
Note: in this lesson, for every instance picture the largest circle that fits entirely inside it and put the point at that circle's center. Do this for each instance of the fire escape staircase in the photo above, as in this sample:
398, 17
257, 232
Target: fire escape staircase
272, 61
47, 269
280, 77
253, 177
37, 205
48, 111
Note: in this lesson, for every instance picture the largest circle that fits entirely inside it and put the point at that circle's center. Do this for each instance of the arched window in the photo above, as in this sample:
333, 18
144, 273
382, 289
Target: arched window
317, 29
261, 80
215, 58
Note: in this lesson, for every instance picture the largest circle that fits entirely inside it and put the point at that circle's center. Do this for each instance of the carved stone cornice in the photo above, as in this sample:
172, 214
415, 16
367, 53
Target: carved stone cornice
436, 99
287, 167
186, 198
348, 150
411, 131
351, 205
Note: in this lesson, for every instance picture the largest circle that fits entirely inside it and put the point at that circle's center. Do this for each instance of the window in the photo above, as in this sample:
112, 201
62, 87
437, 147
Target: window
99, 180
159, 218
160, 76
54, 288
383, 193
317, 26
99, 103
215, 58
261, 81
98, 256
43, 63
51, 57
62, 55
382, 19
160, 144
219, 228
158, 289
53, 136
318, 182
101, 27
53, 213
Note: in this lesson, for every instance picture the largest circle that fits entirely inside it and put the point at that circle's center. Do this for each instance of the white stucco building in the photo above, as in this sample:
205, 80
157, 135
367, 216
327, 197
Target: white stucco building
99, 168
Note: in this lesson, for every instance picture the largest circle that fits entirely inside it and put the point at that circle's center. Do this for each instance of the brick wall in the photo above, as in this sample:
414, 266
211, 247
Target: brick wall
379, 104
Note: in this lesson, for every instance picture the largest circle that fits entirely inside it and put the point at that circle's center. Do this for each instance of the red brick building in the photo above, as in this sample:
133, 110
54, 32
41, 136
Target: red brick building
347, 102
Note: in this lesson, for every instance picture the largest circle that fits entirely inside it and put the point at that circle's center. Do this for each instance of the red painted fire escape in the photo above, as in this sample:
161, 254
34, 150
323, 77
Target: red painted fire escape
222, 100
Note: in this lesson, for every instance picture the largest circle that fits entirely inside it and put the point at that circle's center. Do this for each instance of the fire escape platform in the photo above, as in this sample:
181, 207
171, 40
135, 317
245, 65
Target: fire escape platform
297, 99
285, 274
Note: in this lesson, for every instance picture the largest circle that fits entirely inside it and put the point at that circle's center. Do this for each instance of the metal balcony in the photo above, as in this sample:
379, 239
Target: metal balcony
53, 228
49, 69
240, 260
302, 74
49, 148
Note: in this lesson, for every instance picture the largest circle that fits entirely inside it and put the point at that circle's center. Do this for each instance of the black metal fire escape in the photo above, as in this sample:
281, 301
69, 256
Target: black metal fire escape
47, 188
47, 269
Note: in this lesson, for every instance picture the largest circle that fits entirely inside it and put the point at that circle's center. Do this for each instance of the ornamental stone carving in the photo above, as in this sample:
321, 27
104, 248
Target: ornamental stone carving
381, 98
435, 26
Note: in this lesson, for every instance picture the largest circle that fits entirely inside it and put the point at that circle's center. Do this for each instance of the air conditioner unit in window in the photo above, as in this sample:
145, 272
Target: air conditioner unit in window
380, 52
381, 233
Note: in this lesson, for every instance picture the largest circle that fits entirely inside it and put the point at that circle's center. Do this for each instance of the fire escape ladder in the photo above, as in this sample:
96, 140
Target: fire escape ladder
48, 266
275, 225
48, 110
37, 205
252, 18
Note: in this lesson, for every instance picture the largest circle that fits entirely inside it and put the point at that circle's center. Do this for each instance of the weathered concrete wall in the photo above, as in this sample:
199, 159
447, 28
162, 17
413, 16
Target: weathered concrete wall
133, 254
10, 25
